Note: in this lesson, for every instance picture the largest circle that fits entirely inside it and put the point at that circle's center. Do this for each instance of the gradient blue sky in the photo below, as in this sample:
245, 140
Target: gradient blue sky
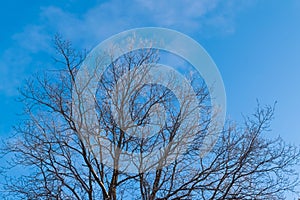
255, 44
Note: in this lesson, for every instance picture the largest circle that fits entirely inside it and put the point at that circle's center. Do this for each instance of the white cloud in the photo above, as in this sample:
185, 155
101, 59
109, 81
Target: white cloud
12, 69
184, 13
192, 17
33, 39
189, 16
111, 17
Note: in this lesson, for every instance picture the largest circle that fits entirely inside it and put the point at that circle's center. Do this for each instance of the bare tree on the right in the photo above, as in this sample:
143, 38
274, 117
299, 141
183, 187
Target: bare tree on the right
246, 165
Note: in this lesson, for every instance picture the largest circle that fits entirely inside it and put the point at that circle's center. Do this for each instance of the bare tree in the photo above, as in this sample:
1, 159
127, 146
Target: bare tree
62, 161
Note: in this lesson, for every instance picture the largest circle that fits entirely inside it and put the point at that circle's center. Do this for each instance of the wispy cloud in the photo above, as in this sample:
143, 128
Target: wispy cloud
105, 19
34, 38
12, 65
196, 18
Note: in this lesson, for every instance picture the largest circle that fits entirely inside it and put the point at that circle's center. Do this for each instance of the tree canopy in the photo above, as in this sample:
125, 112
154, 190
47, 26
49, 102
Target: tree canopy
61, 162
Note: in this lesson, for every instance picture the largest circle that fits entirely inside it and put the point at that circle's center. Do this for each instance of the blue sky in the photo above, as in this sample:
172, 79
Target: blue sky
255, 44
